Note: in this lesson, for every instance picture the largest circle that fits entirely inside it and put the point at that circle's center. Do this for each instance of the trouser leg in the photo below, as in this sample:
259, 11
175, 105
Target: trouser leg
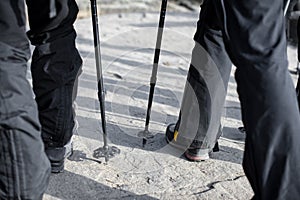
207, 82
298, 82
55, 64
298, 91
256, 41
24, 167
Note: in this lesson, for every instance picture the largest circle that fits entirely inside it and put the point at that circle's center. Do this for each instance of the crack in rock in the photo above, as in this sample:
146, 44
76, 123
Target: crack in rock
211, 186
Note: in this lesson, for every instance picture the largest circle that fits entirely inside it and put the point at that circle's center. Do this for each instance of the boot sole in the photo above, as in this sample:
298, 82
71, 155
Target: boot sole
196, 158
58, 167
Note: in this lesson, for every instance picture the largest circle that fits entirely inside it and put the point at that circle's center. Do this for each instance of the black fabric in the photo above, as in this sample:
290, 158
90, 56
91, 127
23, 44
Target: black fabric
254, 36
255, 39
12, 24
298, 35
24, 167
298, 48
55, 66
43, 31
45, 15
54, 70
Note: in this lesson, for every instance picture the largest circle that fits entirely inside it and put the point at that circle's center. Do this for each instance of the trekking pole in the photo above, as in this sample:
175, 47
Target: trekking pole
146, 134
105, 151
286, 6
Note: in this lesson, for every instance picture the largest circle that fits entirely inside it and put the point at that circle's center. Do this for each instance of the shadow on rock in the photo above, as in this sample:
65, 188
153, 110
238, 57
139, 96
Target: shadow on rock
79, 156
234, 134
71, 186
228, 154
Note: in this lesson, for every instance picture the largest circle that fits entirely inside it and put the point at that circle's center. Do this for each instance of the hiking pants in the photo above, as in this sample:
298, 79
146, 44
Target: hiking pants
24, 167
206, 85
55, 66
254, 36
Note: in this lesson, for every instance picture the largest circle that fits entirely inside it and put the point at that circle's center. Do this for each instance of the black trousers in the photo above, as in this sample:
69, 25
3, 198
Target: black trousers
298, 82
55, 66
24, 167
254, 36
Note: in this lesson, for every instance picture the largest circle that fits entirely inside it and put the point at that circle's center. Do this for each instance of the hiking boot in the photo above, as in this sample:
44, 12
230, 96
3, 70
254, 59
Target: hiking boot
192, 153
197, 155
176, 140
57, 156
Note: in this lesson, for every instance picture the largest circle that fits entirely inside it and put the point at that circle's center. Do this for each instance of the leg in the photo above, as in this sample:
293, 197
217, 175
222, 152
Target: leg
256, 43
24, 167
55, 65
298, 82
206, 86
208, 76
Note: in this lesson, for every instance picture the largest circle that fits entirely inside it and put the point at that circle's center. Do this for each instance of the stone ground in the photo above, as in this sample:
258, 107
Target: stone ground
129, 6
156, 171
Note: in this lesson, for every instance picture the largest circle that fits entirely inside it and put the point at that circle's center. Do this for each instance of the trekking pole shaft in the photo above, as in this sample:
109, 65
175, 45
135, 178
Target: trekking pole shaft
286, 7
101, 96
150, 100
156, 60
158, 40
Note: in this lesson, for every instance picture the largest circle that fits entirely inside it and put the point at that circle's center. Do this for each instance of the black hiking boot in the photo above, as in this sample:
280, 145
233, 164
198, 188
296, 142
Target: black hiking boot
57, 156
191, 153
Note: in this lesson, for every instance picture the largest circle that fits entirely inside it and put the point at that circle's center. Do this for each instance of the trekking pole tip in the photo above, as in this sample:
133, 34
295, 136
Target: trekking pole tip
107, 152
145, 134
